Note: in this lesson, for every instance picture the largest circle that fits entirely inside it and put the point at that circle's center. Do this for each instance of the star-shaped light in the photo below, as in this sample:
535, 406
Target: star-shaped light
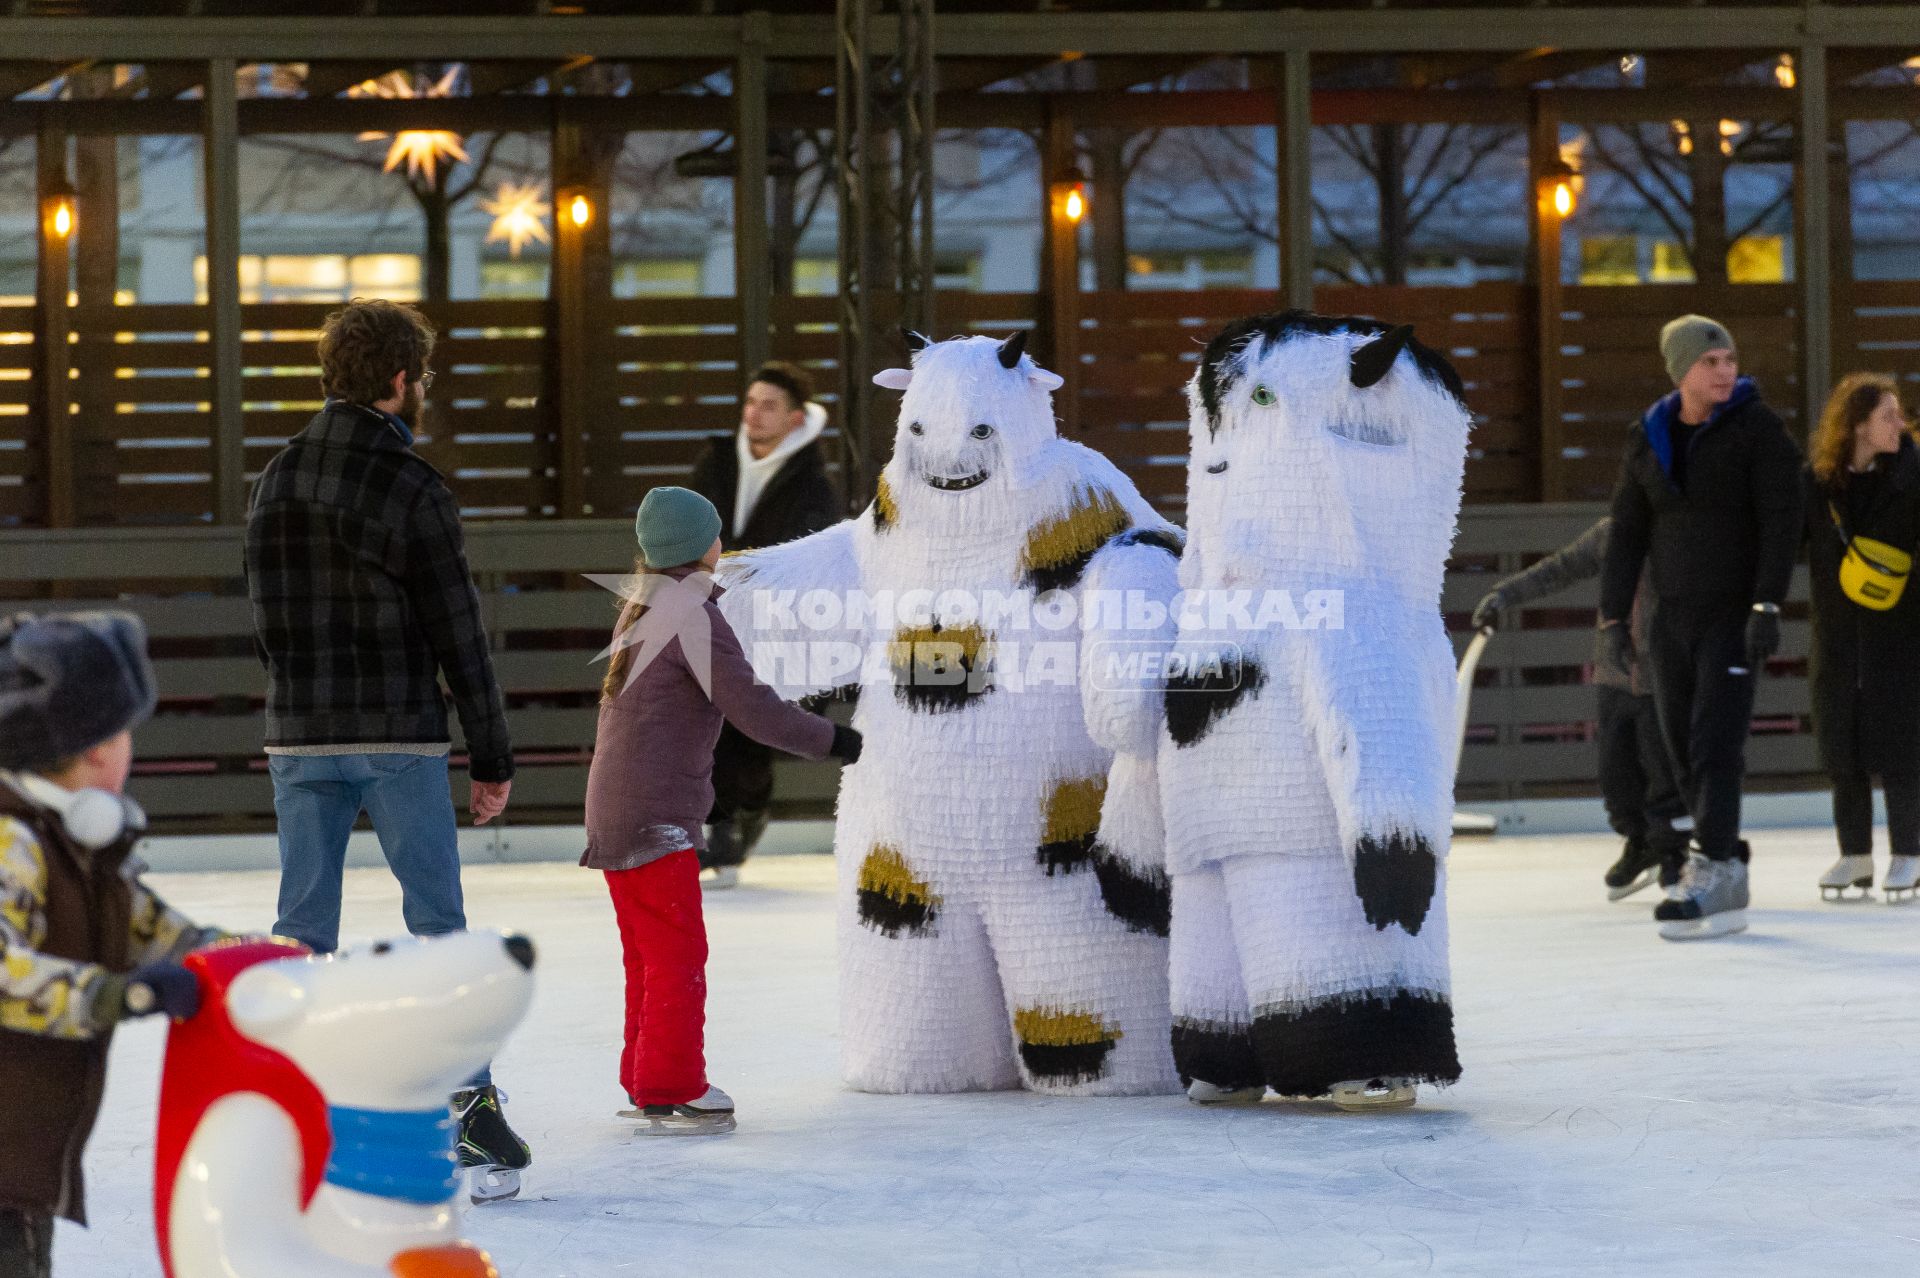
519, 216
421, 150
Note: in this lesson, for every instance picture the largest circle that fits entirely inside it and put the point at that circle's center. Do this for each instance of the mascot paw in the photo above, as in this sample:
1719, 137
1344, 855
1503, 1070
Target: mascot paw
1395, 877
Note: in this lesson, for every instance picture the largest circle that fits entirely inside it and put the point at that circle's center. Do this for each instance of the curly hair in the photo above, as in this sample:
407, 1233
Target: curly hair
366, 343
1851, 403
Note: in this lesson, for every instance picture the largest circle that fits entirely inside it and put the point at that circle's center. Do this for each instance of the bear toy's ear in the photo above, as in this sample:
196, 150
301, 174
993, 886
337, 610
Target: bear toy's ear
1046, 381
893, 378
264, 998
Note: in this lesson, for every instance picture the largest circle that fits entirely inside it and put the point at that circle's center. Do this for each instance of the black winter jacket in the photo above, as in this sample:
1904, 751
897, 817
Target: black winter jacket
1731, 535
1865, 665
798, 500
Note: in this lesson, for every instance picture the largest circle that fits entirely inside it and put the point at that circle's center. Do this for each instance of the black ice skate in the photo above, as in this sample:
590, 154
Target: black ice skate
1849, 872
710, 1115
1636, 868
1710, 900
491, 1154
1903, 876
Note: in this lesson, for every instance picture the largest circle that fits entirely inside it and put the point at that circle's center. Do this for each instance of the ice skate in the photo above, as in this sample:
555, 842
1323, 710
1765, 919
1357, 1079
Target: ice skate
1903, 876
1361, 1096
1710, 900
710, 1115
1634, 870
718, 878
1854, 872
1201, 1092
492, 1156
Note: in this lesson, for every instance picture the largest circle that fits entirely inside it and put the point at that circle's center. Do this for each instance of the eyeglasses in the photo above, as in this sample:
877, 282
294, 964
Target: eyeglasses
426, 382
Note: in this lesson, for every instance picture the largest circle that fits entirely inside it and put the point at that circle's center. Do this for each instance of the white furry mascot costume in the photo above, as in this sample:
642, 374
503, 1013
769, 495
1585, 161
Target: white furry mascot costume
1307, 794
988, 938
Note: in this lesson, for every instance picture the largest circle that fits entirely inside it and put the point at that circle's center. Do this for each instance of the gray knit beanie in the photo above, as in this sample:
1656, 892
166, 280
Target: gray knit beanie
69, 682
675, 526
1685, 340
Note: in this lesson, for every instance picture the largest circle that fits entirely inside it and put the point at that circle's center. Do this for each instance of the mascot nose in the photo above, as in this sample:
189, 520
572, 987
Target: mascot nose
522, 950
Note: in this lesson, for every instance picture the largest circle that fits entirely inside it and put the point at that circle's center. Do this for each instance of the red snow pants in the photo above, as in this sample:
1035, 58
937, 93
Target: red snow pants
663, 939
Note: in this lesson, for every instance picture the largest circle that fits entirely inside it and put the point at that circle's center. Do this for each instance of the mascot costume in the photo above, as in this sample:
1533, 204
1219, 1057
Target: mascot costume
1306, 758
988, 937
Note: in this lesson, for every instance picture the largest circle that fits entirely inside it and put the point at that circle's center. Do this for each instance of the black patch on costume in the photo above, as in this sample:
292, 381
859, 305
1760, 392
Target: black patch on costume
1196, 702
1071, 1063
1144, 902
1395, 880
940, 697
1064, 856
1221, 365
891, 916
881, 522
1215, 1053
1384, 1034
1061, 576
1158, 538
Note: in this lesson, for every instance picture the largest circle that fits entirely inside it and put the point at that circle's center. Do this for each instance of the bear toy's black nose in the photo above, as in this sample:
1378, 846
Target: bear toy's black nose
522, 950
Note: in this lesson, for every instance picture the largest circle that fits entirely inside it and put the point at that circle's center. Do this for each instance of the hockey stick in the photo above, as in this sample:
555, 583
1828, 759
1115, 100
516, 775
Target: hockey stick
1468, 822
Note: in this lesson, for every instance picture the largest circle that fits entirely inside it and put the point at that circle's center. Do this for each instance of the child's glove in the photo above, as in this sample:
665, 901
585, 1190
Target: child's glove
157, 987
846, 744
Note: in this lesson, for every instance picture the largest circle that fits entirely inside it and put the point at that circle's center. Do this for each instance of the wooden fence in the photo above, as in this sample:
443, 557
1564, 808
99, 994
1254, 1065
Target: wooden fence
201, 766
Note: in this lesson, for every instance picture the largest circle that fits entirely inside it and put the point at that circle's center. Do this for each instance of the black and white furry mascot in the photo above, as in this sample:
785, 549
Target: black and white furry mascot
1305, 760
988, 938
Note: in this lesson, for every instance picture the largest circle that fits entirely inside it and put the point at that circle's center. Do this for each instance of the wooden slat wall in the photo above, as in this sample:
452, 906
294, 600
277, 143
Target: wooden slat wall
1879, 331
200, 761
22, 499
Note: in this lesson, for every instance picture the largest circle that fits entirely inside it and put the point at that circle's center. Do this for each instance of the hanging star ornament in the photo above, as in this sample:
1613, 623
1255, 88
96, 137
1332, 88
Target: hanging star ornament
519, 216
421, 150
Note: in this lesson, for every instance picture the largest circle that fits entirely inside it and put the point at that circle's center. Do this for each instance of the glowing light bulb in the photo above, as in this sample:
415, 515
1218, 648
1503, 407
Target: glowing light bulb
1076, 206
63, 219
1563, 199
580, 210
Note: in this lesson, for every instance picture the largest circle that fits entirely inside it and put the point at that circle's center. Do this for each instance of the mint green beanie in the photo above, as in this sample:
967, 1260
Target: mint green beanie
675, 526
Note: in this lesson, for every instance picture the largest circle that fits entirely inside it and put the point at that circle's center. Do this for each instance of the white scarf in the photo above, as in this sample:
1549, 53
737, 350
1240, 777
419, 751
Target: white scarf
757, 472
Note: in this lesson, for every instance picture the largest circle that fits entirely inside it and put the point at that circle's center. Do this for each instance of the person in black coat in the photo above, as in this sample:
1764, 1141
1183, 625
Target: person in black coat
1709, 502
1864, 482
769, 482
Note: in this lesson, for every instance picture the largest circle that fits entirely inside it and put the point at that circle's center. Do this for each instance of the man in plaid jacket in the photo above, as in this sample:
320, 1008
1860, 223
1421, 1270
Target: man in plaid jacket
362, 603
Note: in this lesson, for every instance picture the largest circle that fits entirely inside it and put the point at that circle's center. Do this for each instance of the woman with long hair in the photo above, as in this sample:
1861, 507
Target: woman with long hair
1863, 518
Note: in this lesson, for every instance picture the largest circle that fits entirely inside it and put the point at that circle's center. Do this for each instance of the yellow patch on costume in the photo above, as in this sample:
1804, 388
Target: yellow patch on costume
886, 511
1058, 549
1073, 810
1057, 1027
892, 899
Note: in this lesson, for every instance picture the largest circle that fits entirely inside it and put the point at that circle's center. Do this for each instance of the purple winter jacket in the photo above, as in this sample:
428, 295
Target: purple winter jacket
651, 783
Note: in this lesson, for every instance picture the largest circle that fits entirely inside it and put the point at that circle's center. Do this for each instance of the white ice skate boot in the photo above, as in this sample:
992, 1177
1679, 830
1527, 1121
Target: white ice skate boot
1201, 1092
1360, 1096
711, 1115
1903, 876
1848, 872
718, 878
1711, 901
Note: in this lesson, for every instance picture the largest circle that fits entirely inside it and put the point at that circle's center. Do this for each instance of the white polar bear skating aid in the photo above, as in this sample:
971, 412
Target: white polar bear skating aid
1305, 760
988, 937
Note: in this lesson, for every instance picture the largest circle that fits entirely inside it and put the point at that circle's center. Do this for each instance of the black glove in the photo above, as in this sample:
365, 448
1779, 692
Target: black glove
1763, 637
1486, 613
160, 987
1619, 640
846, 744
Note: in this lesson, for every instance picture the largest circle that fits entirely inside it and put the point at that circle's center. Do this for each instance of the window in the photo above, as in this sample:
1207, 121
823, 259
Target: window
657, 277
1671, 265
1757, 259
513, 279
320, 277
1610, 259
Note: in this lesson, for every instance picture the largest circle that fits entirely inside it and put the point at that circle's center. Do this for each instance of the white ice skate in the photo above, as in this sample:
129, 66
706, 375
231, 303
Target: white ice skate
711, 1115
1711, 901
1854, 872
1359, 1096
1903, 876
718, 878
1201, 1092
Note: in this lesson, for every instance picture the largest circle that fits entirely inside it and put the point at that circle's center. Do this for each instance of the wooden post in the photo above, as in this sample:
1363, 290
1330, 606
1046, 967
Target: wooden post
1543, 150
1295, 153
752, 287
53, 322
1812, 234
221, 146
567, 365
96, 251
1063, 264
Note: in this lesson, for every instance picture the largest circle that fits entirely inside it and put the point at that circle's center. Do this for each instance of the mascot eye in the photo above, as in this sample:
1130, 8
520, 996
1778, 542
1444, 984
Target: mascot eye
983, 431
1263, 396
1218, 468
915, 428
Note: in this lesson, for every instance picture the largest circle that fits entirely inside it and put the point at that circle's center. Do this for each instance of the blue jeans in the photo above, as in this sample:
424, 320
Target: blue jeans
409, 799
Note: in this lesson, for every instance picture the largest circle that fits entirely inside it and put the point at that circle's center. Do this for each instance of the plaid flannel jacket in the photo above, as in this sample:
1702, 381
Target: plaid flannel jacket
362, 598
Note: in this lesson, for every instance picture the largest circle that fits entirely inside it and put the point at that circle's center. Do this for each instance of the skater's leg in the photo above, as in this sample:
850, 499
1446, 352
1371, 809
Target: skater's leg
742, 791
1623, 780
1903, 812
314, 808
1212, 1017
410, 802
1853, 813
1670, 653
921, 1008
658, 906
1666, 820
633, 965
1722, 714
26, 1244
1334, 997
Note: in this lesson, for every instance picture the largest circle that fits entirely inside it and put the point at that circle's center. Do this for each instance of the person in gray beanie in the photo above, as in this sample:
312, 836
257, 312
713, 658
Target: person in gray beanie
85, 944
1708, 503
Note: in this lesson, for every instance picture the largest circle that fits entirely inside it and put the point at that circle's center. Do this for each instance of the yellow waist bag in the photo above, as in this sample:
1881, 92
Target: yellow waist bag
1872, 573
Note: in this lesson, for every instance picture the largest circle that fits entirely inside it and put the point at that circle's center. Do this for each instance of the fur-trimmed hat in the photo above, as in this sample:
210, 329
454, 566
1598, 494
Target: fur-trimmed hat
69, 682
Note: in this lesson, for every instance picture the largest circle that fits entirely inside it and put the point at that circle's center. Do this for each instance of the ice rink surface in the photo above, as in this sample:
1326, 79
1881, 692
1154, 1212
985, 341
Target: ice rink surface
1743, 1106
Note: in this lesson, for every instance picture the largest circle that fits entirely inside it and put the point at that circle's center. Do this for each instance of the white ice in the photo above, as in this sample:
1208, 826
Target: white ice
1630, 1105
